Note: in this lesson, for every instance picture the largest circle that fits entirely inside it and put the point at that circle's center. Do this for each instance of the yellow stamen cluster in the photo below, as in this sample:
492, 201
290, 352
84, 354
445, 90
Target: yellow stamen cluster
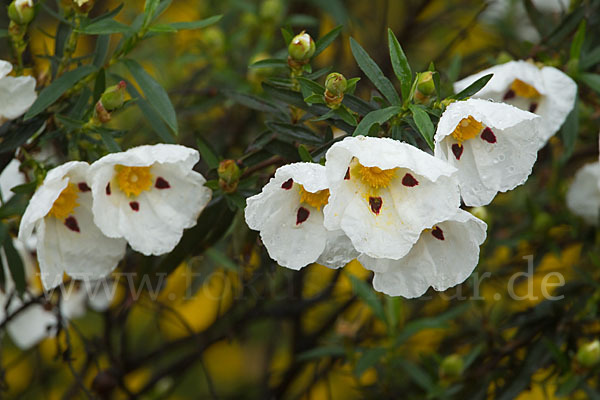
66, 202
375, 176
316, 199
523, 89
467, 129
133, 180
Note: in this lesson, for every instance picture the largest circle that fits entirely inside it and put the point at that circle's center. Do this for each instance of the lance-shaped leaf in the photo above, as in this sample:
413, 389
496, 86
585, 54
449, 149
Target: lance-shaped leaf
473, 88
400, 64
424, 124
326, 40
375, 117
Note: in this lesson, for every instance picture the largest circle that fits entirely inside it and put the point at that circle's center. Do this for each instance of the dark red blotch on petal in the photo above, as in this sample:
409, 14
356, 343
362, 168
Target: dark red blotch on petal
533, 107
375, 203
488, 135
302, 215
135, 206
287, 185
347, 176
161, 183
457, 150
509, 95
437, 233
108, 189
83, 187
71, 223
409, 180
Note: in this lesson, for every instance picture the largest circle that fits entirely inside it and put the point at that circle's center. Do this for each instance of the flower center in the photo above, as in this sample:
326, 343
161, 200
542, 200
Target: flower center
316, 200
467, 129
133, 180
66, 202
375, 176
523, 89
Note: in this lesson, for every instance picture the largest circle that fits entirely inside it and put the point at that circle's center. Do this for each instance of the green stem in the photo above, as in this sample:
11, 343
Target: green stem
70, 48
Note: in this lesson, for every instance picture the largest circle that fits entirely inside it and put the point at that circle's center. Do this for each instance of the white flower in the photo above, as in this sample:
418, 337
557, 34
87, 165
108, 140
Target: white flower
493, 145
148, 195
548, 92
384, 193
68, 241
583, 197
442, 257
17, 94
289, 215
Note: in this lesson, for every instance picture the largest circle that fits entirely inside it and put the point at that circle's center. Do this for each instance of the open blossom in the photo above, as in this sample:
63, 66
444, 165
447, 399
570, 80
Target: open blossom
68, 241
384, 193
583, 197
444, 256
546, 91
17, 94
289, 215
493, 146
148, 195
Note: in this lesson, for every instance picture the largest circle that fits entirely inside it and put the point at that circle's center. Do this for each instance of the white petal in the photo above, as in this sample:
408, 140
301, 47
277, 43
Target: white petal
440, 264
560, 100
162, 215
504, 75
583, 197
5, 68
30, 326
338, 251
16, 96
485, 168
100, 293
73, 302
9, 178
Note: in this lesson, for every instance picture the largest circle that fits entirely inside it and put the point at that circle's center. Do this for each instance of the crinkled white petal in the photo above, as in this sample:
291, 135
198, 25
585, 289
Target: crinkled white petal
338, 251
9, 178
484, 169
274, 213
405, 211
5, 68
30, 326
163, 214
583, 197
432, 262
558, 92
16, 96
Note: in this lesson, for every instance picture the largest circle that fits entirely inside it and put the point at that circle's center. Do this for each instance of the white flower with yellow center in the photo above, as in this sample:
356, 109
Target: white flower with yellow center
493, 146
68, 241
17, 94
444, 256
289, 215
548, 92
583, 197
384, 193
148, 195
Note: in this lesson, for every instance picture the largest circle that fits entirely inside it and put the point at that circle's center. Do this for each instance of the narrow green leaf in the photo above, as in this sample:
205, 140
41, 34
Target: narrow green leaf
207, 154
294, 132
304, 154
104, 27
590, 59
149, 10
53, 92
101, 50
417, 374
569, 132
269, 63
424, 124
288, 35
326, 40
351, 85
25, 188
221, 259
366, 294
111, 145
314, 99
323, 117
346, 115
197, 24
375, 117
592, 80
110, 13
162, 28
400, 64
373, 72
357, 104
154, 93
99, 85
473, 87
566, 26
311, 85
368, 358
15, 264
3, 33
537, 19
320, 352
252, 101
578, 40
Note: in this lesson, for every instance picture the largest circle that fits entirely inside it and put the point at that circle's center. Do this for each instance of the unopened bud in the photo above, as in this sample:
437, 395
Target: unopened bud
302, 47
101, 114
229, 175
114, 96
425, 84
21, 12
588, 354
83, 6
336, 83
451, 366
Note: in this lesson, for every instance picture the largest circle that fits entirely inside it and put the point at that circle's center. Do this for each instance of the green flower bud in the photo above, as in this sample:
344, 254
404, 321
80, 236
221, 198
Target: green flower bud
302, 47
451, 366
588, 354
21, 12
336, 84
229, 175
114, 96
425, 84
